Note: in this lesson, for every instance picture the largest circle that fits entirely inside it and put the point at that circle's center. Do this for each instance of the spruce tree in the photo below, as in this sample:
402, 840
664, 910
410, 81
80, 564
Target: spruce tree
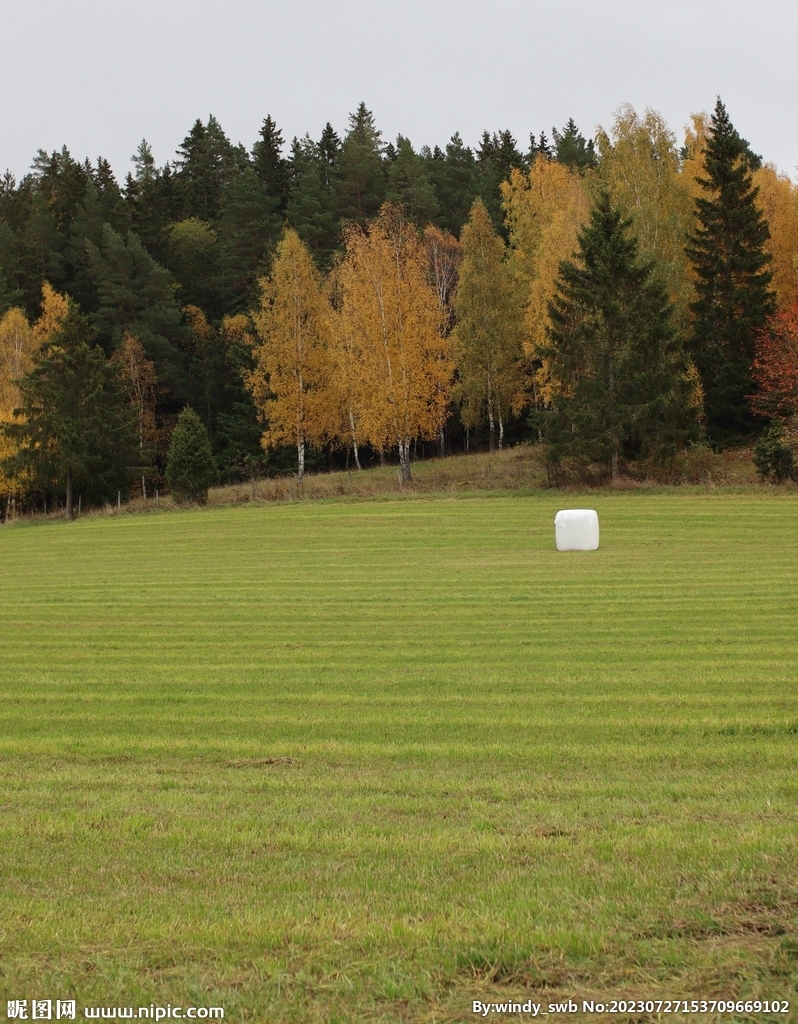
361, 178
190, 469
572, 148
270, 166
732, 270
619, 375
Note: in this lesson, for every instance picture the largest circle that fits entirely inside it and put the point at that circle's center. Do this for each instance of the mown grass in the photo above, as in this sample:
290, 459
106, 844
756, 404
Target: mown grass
368, 761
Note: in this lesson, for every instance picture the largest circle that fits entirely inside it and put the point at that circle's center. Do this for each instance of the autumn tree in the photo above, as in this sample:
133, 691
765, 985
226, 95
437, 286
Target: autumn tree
777, 199
728, 252
775, 368
75, 424
620, 381
18, 344
544, 210
290, 381
140, 381
488, 329
639, 166
391, 315
445, 257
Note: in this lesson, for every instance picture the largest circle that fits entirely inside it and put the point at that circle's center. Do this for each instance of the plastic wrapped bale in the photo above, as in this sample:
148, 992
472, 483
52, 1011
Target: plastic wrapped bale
576, 529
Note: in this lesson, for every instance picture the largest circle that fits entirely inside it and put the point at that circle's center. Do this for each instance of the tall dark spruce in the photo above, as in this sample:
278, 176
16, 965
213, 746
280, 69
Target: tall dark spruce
733, 277
617, 363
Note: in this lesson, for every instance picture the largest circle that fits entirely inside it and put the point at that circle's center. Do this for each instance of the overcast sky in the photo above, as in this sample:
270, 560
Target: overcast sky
99, 75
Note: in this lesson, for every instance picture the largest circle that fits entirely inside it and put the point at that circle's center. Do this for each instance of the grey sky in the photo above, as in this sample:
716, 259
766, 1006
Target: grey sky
98, 75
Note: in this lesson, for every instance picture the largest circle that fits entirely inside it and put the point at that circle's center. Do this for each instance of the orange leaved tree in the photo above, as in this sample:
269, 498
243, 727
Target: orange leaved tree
390, 314
775, 367
291, 379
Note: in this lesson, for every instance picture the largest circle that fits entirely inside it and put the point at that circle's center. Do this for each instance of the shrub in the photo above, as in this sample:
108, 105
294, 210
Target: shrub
774, 458
190, 469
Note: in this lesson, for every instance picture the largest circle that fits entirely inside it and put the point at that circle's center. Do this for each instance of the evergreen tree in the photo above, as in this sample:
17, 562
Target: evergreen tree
248, 227
733, 279
135, 295
313, 207
361, 178
618, 373
453, 178
540, 148
497, 155
409, 184
572, 148
206, 160
192, 255
76, 428
190, 469
87, 225
271, 168
329, 150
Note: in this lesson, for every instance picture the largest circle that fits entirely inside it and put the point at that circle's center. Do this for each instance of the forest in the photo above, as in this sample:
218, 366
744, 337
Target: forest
615, 299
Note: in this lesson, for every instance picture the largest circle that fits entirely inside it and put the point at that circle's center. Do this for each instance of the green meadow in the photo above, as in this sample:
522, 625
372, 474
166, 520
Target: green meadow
372, 760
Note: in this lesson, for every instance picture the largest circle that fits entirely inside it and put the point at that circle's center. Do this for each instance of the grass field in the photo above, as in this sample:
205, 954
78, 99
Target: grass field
369, 761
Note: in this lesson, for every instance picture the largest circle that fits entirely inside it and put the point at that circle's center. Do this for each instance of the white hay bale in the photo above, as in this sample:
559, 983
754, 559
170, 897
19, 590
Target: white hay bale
576, 529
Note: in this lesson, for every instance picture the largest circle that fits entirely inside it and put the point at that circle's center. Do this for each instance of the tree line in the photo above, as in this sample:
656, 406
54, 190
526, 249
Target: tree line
614, 298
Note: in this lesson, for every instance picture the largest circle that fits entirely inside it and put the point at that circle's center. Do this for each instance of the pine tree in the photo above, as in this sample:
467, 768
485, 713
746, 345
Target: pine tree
190, 469
621, 387
733, 279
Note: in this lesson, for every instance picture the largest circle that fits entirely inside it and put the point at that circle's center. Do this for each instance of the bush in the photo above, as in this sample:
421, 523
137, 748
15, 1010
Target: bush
773, 458
190, 469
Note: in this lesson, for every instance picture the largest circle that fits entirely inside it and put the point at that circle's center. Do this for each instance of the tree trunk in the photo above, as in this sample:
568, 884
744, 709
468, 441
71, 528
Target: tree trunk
492, 425
441, 442
614, 459
404, 459
68, 506
300, 449
382, 457
354, 439
501, 431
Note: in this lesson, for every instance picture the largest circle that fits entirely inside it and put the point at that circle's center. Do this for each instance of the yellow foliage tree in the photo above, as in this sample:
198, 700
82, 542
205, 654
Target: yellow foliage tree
391, 319
139, 376
445, 256
488, 331
291, 380
640, 168
544, 210
18, 343
778, 200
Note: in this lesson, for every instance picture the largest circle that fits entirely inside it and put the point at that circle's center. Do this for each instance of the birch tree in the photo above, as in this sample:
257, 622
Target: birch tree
487, 334
290, 383
391, 315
